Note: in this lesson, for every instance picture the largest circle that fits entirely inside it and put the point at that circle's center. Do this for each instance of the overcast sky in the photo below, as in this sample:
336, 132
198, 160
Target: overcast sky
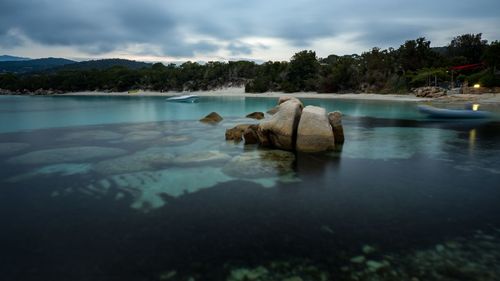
176, 30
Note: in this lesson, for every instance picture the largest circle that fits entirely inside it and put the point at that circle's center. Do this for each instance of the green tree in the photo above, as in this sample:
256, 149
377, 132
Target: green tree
302, 72
470, 46
492, 55
416, 54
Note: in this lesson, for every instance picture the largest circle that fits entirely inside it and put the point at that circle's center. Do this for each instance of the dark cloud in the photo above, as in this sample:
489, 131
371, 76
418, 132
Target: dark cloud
182, 49
238, 48
96, 26
389, 34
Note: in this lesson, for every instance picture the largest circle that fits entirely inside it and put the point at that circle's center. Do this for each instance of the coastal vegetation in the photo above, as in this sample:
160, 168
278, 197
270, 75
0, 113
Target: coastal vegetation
413, 64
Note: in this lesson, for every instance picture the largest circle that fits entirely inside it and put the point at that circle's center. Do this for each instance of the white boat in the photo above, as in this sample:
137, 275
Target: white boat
184, 98
435, 112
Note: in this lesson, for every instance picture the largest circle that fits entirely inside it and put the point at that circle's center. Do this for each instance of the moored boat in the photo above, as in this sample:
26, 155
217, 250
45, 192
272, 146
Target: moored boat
184, 98
435, 112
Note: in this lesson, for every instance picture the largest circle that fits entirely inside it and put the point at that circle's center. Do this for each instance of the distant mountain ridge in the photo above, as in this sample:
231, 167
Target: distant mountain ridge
60, 64
12, 58
103, 64
35, 65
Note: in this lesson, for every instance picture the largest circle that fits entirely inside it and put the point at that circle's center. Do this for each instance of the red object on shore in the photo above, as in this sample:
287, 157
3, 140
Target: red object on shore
467, 66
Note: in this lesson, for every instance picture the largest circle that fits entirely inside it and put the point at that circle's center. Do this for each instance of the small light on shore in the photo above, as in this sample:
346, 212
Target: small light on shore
477, 86
475, 106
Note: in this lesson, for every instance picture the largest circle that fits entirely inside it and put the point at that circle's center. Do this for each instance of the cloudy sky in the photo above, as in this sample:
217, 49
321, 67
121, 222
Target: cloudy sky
176, 30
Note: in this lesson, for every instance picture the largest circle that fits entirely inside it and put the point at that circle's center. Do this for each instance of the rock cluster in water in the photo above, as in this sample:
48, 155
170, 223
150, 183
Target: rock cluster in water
293, 127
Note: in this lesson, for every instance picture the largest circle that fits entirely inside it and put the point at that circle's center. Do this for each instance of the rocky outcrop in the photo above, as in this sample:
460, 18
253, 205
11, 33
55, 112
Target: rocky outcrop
335, 119
250, 134
256, 115
293, 127
429, 92
286, 98
273, 110
314, 133
213, 118
236, 133
281, 129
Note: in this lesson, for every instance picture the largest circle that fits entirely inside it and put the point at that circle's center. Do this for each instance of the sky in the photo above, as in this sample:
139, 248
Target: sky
205, 30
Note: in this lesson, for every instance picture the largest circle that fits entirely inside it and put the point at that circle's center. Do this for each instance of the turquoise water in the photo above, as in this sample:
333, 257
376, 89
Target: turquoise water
135, 188
26, 113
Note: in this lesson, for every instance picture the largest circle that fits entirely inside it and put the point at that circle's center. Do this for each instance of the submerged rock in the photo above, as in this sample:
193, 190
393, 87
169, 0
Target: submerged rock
175, 140
260, 163
66, 155
138, 136
280, 130
256, 115
245, 274
147, 188
358, 259
213, 117
12, 147
375, 266
201, 157
140, 161
314, 133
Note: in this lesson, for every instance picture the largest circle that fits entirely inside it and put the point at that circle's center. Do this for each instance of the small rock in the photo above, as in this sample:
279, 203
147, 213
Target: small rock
440, 248
358, 259
256, 115
244, 274
375, 266
293, 278
367, 249
168, 275
213, 117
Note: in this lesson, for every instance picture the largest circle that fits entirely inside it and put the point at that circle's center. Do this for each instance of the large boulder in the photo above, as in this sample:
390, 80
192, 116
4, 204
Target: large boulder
281, 129
284, 99
335, 119
273, 110
213, 118
314, 133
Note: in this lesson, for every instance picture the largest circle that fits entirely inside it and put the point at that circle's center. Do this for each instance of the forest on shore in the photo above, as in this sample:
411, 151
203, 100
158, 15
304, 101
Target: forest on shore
413, 64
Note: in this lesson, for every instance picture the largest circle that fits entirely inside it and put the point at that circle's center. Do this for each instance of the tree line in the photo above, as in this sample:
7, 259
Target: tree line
415, 63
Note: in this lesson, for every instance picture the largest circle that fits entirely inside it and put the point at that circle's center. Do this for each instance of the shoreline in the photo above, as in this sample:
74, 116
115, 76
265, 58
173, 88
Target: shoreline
486, 98
240, 92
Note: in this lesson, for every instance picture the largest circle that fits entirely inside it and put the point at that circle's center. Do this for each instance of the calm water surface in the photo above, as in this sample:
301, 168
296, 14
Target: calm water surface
134, 188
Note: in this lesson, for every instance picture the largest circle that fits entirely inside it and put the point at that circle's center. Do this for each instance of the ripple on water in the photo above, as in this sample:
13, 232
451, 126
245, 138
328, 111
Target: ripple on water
12, 147
396, 142
92, 135
64, 169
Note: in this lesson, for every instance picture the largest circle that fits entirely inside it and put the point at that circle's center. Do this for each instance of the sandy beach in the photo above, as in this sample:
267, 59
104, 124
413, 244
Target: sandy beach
240, 92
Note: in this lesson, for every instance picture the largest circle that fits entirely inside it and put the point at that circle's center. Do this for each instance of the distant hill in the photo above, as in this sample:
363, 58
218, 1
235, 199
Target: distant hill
12, 58
35, 65
102, 64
